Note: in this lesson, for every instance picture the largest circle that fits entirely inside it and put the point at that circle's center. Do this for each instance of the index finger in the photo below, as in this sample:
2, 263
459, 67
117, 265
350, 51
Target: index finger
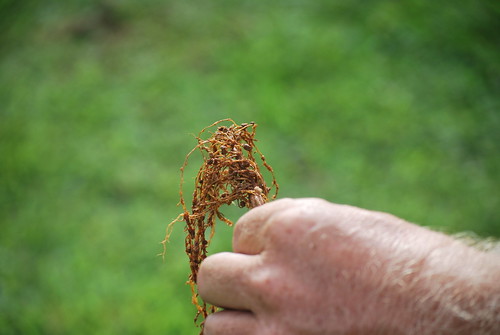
249, 232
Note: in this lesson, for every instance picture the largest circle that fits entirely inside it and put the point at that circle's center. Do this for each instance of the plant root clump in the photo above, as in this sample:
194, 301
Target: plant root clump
228, 175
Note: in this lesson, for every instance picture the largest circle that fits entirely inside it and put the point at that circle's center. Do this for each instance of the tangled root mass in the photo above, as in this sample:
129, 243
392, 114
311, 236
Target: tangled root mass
228, 175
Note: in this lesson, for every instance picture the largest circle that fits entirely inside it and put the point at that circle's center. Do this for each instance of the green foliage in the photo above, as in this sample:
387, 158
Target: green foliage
386, 105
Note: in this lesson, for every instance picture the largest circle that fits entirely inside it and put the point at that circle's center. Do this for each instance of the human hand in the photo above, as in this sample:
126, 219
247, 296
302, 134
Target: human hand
308, 266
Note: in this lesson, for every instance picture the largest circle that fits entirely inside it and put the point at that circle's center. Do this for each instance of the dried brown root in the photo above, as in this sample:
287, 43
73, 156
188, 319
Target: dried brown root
228, 175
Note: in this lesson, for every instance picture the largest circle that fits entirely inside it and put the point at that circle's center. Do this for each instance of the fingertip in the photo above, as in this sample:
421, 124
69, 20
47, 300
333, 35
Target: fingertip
230, 322
208, 271
249, 231
223, 280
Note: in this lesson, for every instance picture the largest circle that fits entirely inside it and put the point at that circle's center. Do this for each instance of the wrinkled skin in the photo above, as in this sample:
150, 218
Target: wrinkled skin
307, 266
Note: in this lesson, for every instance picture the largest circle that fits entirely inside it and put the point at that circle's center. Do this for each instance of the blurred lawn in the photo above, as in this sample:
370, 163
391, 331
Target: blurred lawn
388, 105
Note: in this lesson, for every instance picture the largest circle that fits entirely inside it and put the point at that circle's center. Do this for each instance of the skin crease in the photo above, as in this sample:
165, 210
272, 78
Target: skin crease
307, 267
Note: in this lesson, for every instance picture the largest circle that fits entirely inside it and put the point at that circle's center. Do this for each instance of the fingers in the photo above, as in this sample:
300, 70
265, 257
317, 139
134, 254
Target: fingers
223, 280
249, 232
230, 322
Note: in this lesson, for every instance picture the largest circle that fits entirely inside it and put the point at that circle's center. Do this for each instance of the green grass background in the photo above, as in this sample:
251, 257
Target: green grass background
388, 105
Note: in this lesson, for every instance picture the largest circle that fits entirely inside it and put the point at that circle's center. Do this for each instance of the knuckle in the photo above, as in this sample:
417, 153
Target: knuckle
289, 224
265, 284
